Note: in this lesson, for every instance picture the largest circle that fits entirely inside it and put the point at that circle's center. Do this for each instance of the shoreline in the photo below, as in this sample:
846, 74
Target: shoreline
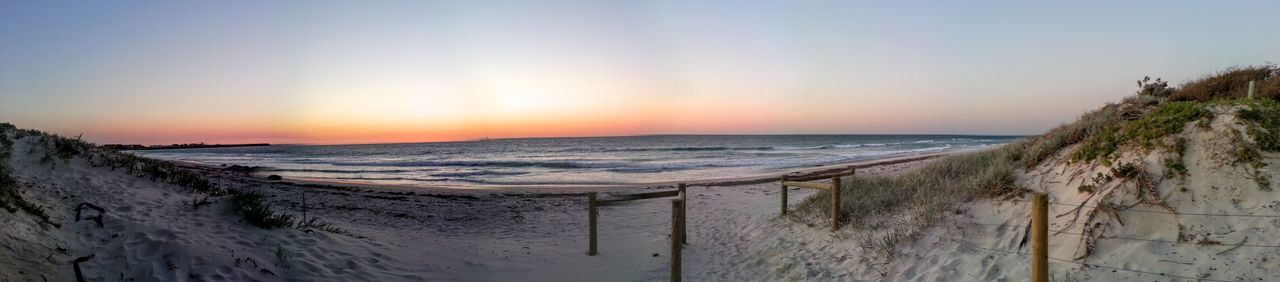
581, 188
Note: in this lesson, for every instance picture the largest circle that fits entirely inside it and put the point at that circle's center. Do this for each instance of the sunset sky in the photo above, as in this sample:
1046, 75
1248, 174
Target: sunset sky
358, 72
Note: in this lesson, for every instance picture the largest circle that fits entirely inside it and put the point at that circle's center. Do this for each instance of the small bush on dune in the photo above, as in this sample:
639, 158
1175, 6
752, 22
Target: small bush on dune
252, 206
1156, 88
315, 223
1232, 83
898, 207
10, 197
1264, 120
1098, 123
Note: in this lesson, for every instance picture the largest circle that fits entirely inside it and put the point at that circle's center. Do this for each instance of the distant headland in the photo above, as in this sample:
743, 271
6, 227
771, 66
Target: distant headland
139, 147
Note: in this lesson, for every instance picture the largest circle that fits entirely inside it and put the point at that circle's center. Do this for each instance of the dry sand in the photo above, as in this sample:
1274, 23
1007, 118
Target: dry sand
151, 231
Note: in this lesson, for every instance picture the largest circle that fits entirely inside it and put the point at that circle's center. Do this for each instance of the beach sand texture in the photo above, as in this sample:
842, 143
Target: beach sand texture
1213, 225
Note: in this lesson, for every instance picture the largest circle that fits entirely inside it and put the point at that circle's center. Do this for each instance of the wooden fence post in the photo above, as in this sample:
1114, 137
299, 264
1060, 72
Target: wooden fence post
676, 223
684, 213
784, 194
1251, 89
1039, 238
591, 221
835, 203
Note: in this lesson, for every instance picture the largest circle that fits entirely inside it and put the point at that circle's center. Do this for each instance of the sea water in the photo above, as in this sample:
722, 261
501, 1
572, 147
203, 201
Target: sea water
573, 161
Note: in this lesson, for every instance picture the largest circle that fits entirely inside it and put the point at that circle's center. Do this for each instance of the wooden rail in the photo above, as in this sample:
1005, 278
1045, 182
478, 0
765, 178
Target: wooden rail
679, 227
810, 185
848, 171
638, 196
833, 188
594, 203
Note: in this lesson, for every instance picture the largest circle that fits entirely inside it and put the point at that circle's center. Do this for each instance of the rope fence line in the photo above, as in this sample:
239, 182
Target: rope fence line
976, 246
1063, 231
1166, 212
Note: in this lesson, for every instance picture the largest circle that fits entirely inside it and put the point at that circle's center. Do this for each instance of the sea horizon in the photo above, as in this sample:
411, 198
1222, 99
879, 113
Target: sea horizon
604, 160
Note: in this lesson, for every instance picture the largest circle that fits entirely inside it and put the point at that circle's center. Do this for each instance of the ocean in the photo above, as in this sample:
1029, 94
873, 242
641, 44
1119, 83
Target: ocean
573, 161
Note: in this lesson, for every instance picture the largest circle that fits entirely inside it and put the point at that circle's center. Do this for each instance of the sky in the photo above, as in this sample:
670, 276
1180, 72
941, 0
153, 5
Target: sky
328, 72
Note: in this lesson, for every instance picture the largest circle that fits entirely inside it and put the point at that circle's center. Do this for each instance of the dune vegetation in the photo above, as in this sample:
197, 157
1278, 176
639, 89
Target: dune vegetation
55, 149
895, 209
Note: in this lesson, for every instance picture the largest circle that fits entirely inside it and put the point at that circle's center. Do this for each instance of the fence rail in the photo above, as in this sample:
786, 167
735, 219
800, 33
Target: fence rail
833, 188
679, 229
1037, 231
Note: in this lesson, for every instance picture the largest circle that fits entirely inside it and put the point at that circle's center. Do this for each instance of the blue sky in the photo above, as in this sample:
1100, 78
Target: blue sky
341, 71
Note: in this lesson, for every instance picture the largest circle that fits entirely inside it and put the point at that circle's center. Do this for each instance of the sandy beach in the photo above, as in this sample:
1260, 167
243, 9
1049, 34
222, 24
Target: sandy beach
394, 233
568, 141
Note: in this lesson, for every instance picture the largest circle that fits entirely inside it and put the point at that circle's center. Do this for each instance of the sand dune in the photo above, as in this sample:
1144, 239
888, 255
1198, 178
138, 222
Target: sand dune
1213, 224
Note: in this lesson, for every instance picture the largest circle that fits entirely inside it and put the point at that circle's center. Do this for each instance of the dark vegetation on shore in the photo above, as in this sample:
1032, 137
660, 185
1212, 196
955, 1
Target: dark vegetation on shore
11, 198
898, 207
139, 147
249, 204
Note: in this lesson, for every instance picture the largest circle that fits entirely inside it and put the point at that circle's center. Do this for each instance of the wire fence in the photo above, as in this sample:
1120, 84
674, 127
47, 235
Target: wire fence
976, 246
610, 219
1102, 236
1164, 212
1064, 231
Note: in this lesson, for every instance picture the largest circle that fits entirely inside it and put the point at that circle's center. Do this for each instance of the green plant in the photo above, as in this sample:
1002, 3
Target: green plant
1085, 188
1146, 132
925, 195
253, 208
1100, 123
1263, 181
1244, 152
1157, 88
1263, 119
1175, 167
314, 223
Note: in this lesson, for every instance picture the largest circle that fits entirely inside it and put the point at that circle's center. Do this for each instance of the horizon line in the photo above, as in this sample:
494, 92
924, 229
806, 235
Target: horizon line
483, 139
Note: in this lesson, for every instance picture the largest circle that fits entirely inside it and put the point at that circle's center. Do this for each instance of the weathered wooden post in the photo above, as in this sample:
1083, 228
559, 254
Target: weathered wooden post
591, 221
1251, 89
684, 213
304, 206
1039, 238
835, 203
784, 194
676, 223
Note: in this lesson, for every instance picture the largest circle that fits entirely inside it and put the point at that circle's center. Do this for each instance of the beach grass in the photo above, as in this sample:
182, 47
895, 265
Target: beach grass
253, 207
902, 205
896, 208
11, 198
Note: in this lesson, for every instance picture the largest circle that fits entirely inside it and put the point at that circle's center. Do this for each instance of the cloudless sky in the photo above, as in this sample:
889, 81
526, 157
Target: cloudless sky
374, 71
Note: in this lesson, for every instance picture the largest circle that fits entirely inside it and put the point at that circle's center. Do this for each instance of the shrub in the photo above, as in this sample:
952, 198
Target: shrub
1157, 88
1231, 83
253, 207
315, 223
1101, 122
1146, 131
1263, 117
